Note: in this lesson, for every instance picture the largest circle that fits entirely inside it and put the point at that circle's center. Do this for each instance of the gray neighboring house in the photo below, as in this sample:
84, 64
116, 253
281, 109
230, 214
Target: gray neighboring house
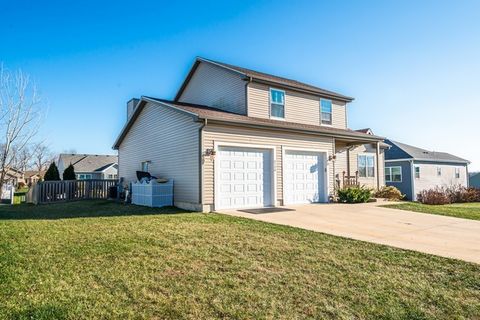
413, 169
90, 166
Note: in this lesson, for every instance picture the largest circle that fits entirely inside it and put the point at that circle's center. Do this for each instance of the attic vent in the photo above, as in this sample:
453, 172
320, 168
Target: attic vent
426, 152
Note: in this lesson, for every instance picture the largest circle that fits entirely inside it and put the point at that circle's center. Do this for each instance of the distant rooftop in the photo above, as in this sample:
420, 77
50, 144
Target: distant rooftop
404, 151
89, 162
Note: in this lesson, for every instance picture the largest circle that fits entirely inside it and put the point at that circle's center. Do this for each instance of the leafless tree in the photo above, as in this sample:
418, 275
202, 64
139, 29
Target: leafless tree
42, 156
20, 116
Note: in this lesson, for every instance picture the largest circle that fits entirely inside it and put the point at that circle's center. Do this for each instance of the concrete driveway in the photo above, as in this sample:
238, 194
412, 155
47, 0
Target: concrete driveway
434, 234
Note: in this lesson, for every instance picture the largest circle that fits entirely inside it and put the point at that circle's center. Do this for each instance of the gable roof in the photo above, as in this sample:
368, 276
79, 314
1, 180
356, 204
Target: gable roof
258, 76
209, 113
366, 130
404, 151
89, 162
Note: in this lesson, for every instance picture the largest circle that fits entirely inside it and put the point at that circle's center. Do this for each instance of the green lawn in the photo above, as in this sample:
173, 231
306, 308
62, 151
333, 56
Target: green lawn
96, 259
458, 210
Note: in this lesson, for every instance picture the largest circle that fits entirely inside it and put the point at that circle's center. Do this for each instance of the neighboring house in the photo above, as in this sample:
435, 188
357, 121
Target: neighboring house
33, 176
90, 166
14, 177
474, 180
412, 169
237, 138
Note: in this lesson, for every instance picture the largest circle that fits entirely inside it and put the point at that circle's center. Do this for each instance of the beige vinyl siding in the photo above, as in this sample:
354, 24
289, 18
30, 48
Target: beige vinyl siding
429, 178
299, 107
341, 164
216, 87
248, 136
170, 140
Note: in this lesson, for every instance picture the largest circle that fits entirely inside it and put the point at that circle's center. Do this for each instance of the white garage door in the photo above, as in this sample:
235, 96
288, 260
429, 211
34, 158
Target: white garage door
244, 178
304, 177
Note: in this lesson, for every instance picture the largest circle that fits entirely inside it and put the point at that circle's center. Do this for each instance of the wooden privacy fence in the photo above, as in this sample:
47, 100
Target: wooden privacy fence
70, 190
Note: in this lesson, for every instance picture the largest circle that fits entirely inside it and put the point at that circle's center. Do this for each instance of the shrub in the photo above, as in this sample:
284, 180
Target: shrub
471, 195
354, 195
52, 173
434, 196
390, 193
69, 173
452, 194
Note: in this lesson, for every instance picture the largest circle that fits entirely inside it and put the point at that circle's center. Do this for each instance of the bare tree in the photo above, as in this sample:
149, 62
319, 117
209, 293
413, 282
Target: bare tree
20, 116
42, 156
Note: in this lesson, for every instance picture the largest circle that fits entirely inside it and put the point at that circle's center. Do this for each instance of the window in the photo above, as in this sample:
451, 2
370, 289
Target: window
457, 173
366, 166
393, 174
277, 103
84, 176
112, 176
417, 172
439, 171
326, 111
145, 166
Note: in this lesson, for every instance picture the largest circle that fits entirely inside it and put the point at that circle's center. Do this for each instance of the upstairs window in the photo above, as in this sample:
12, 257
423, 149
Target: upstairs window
366, 167
393, 174
457, 173
277, 103
417, 172
326, 111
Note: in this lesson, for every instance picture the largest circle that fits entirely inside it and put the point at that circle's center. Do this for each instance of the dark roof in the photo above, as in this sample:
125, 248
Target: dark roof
264, 77
404, 151
89, 162
204, 112
366, 130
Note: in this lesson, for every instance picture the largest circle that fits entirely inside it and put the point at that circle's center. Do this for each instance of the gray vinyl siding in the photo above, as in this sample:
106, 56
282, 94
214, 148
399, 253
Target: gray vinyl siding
429, 178
299, 107
260, 137
170, 140
216, 87
405, 186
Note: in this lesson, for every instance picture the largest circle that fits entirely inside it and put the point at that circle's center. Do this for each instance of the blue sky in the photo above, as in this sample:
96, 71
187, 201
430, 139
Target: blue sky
413, 66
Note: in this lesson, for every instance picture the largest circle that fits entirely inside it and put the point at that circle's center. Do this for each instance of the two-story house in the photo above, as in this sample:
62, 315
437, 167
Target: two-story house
237, 138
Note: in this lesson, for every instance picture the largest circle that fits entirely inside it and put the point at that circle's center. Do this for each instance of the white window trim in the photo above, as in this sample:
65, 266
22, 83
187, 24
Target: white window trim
415, 172
270, 104
391, 175
331, 113
147, 163
457, 173
374, 165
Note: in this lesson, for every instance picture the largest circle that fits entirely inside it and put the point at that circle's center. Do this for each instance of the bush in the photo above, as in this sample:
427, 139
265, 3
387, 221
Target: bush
390, 193
354, 195
471, 195
452, 194
434, 196
69, 173
52, 173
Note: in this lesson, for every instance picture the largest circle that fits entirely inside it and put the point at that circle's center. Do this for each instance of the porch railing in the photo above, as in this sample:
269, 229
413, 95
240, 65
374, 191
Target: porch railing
350, 181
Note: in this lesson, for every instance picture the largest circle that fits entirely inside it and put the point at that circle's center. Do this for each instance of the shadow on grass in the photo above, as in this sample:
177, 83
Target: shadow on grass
79, 209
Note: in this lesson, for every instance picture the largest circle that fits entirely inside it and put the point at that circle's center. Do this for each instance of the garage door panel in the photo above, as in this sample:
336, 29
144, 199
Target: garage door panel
248, 173
304, 177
